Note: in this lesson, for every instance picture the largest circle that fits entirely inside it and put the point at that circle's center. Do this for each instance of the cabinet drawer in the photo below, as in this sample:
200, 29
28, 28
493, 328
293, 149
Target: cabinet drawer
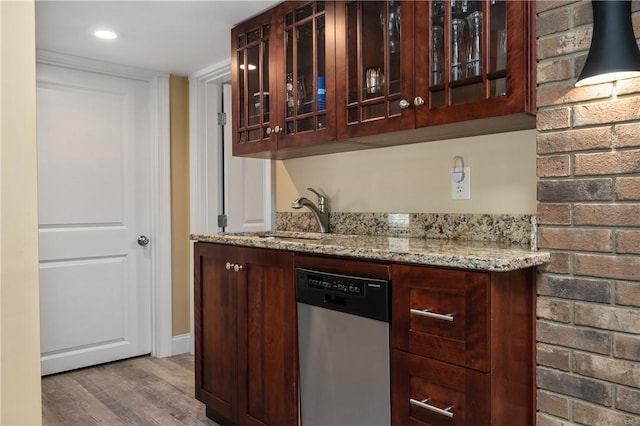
442, 313
430, 392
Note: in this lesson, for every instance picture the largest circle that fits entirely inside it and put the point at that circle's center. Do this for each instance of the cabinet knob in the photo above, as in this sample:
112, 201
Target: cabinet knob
418, 101
237, 267
269, 131
228, 266
404, 104
277, 129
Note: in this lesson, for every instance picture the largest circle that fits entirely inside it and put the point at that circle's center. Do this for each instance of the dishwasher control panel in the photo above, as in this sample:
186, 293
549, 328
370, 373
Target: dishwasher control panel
367, 297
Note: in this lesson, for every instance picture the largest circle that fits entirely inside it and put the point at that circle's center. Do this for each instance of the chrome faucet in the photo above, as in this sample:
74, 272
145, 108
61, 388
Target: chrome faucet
321, 212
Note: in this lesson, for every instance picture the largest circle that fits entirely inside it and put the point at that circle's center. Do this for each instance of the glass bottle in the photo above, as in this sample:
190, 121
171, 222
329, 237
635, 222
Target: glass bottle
474, 62
437, 54
457, 49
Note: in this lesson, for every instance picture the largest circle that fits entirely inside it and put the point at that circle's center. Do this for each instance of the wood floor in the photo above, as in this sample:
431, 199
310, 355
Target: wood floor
136, 391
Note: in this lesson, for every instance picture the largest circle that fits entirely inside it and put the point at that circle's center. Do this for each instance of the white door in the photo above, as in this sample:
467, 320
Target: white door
93, 195
248, 194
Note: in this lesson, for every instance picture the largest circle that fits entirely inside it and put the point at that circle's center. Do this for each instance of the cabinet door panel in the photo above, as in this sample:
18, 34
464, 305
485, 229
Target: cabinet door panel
268, 340
443, 314
430, 392
374, 67
216, 345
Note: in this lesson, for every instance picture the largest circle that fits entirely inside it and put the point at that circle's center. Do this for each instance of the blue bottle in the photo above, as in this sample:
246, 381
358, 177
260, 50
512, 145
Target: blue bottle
322, 94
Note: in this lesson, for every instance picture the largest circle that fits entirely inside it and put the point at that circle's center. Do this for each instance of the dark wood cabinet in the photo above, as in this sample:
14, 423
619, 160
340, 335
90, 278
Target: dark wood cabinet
283, 79
394, 72
434, 63
463, 345
245, 335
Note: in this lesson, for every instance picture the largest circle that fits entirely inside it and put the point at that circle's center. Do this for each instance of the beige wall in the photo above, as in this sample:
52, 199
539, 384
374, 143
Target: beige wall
19, 300
179, 110
416, 178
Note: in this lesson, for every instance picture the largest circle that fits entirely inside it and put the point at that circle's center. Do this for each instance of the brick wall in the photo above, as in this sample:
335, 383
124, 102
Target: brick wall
588, 166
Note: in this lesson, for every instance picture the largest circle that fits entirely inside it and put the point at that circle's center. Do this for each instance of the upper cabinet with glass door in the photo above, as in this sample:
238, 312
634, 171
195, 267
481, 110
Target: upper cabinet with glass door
284, 85
253, 71
412, 64
477, 60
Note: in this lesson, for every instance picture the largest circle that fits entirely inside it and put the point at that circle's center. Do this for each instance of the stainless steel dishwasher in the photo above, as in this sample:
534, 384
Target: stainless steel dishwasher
343, 342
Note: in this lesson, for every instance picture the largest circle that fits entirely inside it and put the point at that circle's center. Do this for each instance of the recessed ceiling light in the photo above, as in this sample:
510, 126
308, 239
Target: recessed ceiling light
105, 34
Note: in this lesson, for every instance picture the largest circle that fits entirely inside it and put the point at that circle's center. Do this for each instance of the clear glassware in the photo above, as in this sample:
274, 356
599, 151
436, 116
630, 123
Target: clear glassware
474, 56
393, 27
289, 94
437, 54
301, 94
457, 49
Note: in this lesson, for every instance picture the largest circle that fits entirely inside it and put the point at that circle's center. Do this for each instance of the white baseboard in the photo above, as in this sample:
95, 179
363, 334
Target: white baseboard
182, 344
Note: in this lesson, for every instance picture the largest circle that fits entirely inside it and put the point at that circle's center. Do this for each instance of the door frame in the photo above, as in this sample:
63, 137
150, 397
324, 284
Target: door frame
160, 183
206, 194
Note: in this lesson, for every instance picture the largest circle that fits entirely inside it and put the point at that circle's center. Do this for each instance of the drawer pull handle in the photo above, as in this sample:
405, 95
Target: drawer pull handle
446, 412
428, 313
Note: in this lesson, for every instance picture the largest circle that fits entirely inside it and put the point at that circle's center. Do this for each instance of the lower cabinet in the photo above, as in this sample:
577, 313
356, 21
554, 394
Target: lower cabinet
462, 347
245, 335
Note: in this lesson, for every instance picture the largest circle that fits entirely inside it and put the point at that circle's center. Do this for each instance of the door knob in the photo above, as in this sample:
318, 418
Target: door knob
143, 240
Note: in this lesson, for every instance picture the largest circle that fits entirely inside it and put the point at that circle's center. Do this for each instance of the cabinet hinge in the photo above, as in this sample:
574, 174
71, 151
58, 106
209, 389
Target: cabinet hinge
222, 220
222, 119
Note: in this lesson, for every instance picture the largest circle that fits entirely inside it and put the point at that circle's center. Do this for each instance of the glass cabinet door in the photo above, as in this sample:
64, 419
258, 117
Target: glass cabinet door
252, 100
377, 66
467, 51
305, 69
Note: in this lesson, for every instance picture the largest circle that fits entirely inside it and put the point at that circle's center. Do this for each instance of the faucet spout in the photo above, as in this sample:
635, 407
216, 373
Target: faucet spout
322, 217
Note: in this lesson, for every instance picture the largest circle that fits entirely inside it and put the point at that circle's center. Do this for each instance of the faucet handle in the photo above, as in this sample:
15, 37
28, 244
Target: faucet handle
322, 200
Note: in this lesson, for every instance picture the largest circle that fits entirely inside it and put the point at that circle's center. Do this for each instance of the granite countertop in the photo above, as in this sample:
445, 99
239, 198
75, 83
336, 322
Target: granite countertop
477, 255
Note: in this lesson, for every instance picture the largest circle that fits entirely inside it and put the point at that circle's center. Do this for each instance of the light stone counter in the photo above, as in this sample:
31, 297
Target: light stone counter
478, 255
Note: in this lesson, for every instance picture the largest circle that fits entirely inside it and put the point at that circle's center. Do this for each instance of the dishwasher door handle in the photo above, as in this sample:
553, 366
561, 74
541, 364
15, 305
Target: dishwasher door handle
335, 300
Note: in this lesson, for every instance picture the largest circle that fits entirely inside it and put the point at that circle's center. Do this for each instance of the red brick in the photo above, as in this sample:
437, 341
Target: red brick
629, 86
607, 214
574, 385
554, 21
556, 118
607, 318
614, 111
628, 293
541, 418
574, 239
626, 346
543, 6
627, 188
606, 163
619, 267
553, 356
582, 13
564, 92
557, 165
553, 309
572, 337
628, 399
560, 264
574, 40
593, 415
556, 70
554, 214
627, 135
553, 404
608, 369
575, 140
628, 242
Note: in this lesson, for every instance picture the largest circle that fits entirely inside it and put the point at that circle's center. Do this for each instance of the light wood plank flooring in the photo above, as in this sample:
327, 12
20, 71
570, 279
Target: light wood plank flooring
136, 391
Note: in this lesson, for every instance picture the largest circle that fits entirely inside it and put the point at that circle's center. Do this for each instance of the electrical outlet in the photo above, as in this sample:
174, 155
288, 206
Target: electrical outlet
461, 190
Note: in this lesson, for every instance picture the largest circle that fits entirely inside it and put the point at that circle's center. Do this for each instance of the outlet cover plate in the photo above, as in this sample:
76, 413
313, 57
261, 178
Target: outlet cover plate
461, 190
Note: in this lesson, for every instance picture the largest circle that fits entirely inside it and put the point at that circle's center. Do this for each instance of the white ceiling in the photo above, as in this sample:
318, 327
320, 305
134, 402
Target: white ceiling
176, 37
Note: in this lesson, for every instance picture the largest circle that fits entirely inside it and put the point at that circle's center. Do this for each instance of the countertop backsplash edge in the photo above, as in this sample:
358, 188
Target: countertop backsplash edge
517, 229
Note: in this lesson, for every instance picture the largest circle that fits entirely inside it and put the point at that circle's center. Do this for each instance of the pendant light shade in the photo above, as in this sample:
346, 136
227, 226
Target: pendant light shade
613, 54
